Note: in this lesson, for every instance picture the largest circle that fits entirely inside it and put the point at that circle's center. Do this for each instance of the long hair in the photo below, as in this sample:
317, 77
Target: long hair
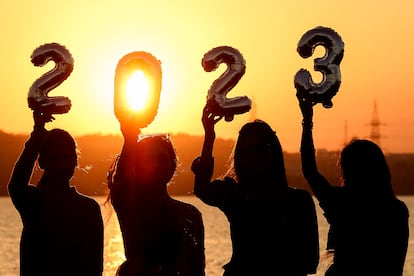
364, 168
262, 130
160, 141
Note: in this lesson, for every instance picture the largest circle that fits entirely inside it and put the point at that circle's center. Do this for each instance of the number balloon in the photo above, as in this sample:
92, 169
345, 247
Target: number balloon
38, 98
127, 65
328, 65
217, 101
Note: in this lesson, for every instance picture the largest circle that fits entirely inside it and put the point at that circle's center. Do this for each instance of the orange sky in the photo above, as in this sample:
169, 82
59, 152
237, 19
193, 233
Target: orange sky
379, 43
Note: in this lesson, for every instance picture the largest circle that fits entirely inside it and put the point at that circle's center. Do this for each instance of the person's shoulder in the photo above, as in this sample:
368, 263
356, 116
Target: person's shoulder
84, 199
226, 181
300, 196
299, 192
402, 207
33, 188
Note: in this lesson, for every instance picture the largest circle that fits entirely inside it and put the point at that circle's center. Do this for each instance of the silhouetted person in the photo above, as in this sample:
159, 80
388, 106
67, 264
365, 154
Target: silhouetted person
162, 236
273, 226
369, 225
62, 229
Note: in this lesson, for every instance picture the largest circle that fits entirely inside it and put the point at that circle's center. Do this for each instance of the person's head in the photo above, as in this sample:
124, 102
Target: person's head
154, 165
155, 160
258, 154
364, 168
58, 157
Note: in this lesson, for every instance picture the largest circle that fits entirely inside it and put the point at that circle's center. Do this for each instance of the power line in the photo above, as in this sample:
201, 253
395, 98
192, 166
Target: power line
375, 124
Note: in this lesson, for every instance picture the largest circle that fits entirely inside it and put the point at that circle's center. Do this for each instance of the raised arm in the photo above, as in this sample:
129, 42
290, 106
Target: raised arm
203, 165
318, 183
122, 171
22, 172
209, 121
127, 156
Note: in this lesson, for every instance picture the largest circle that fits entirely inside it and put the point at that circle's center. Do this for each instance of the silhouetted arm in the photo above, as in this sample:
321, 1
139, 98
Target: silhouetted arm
127, 153
100, 243
318, 183
203, 165
22, 172
124, 174
96, 240
311, 235
400, 246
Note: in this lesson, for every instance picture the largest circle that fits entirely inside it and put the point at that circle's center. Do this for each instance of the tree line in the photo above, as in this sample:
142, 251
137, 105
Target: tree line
97, 152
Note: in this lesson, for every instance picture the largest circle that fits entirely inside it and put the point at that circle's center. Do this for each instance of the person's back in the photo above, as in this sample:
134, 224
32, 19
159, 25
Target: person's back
61, 234
369, 240
167, 236
272, 238
161, 235
273, 226
369, 225
62, 229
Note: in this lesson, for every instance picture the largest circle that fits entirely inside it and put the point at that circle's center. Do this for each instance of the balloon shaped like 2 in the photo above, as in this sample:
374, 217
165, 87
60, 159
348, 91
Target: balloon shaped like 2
217, 101
328, 65
38, 98
150, 70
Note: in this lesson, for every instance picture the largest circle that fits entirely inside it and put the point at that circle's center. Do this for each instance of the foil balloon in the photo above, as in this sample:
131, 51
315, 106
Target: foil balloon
217, 101
126, 67
328, 65
38, 98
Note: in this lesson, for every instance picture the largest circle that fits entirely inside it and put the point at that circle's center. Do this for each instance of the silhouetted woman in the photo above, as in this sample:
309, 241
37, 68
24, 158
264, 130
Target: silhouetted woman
62, 229
273, 226
162, 236
369, 225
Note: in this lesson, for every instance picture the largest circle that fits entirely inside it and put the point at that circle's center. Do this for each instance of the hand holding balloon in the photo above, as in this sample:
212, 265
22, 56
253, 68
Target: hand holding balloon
217, 102
133, 119
41, 118
327, 65
38, 98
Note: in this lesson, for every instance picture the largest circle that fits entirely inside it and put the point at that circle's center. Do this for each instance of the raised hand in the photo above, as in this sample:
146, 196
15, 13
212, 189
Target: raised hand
306, 107
209, 120
129, 129
41, 118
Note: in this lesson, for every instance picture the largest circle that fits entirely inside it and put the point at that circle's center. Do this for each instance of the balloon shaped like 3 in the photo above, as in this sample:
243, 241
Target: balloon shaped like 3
38, 98
217, 101
328, 65
126, 67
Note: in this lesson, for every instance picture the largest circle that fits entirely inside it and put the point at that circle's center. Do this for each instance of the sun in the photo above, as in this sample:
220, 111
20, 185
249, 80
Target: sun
137, 90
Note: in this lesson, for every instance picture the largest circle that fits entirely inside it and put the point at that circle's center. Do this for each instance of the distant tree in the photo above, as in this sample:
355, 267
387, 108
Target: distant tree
98, 151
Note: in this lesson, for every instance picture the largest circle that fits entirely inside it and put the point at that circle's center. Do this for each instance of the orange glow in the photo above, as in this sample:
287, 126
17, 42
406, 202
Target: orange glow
137, 90
377, 64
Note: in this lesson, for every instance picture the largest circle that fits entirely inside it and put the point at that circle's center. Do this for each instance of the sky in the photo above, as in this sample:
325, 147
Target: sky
376, 67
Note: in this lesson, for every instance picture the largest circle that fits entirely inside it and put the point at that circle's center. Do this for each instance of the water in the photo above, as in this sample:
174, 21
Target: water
217, 241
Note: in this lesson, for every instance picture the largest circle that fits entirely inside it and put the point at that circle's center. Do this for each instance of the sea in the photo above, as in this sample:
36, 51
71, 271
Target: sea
217, 238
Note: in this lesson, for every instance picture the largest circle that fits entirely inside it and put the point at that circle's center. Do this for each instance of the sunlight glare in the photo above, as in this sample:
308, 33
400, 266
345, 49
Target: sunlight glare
137, 90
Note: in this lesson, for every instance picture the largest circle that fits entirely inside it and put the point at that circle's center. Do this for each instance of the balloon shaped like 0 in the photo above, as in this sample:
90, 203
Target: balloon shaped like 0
328, 65
217, 101
38, 98
127, 65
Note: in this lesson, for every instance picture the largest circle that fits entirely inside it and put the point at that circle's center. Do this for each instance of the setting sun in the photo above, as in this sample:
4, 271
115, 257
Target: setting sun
138, 71
137, 90
377, 65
